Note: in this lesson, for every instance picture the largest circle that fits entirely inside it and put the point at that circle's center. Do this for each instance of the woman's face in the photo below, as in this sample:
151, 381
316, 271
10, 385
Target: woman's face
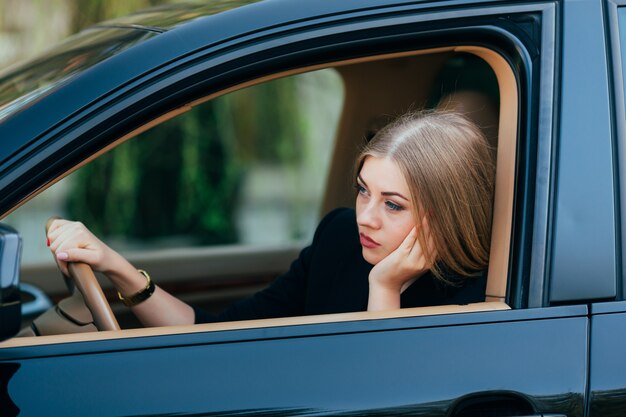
384, 212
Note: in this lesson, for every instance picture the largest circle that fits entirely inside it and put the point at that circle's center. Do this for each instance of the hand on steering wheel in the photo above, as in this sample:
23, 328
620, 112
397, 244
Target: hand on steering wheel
86, 283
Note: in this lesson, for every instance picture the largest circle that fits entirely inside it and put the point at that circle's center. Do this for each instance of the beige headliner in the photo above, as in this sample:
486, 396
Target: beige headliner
502, 221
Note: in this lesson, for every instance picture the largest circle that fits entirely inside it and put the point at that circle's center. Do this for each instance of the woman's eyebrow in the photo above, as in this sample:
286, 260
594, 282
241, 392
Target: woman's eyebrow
385, 193
388, 193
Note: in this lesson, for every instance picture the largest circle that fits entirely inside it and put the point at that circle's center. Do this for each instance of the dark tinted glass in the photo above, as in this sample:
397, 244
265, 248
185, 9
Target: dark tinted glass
25, 83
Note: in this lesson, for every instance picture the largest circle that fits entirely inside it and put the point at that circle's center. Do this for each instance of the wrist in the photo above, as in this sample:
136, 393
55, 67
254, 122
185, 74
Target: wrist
123, 275
114, 265
385, 287
383, 298
380, 283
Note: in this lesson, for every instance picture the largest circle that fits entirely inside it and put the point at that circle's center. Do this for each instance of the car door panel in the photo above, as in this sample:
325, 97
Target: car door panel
414, 365
607, 383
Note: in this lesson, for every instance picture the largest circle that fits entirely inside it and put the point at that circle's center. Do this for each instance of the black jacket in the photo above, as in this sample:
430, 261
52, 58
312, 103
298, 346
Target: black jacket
331, 276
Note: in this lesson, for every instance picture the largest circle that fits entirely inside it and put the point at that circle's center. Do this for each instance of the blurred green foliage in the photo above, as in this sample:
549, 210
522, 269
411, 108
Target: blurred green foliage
182, 178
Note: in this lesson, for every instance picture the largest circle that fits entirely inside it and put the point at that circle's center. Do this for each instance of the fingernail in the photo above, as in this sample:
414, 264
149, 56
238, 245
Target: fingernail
62, 256
48, 242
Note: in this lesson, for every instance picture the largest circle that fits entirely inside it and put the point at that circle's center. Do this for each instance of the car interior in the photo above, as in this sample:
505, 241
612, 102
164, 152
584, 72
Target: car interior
471, 79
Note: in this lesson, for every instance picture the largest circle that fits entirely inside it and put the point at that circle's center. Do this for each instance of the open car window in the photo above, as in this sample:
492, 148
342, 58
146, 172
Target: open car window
239, 179
217, 201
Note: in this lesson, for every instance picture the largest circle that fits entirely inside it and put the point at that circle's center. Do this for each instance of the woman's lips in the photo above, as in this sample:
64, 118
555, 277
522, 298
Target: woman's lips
368, 242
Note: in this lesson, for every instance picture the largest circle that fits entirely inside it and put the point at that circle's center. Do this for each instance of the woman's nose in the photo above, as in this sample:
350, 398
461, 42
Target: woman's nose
367, 216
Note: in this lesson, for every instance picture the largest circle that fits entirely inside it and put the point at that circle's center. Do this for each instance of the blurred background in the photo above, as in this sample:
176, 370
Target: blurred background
247, 168
28, 27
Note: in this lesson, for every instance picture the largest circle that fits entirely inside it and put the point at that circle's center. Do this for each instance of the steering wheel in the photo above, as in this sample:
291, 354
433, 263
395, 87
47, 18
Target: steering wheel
82, 276
87, 284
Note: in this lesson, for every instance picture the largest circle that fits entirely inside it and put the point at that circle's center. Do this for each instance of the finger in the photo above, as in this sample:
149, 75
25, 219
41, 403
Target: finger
57, 228
50, 221
419, 253
54, 223
431, 247
409, 241
66, 236
78, 255
62, 267
417, 256
425, 225
73, 234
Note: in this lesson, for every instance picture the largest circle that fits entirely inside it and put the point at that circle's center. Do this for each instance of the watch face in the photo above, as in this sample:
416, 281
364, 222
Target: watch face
140, 296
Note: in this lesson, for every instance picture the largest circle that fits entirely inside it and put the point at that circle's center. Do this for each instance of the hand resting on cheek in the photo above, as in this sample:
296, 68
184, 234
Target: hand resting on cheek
399, 269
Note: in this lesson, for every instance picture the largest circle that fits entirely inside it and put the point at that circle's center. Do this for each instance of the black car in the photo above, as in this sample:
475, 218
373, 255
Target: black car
548, 341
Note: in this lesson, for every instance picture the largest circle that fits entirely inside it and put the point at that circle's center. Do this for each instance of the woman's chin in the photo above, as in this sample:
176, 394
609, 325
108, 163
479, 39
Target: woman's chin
371, 256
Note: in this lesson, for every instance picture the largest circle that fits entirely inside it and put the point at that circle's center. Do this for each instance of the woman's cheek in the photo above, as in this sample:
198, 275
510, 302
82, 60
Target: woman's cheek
401, 227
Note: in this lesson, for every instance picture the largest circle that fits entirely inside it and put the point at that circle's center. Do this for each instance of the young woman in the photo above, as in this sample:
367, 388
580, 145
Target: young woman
419, 235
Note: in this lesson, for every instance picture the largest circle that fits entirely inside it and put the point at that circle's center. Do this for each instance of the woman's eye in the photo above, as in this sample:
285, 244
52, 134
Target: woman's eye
360, 189
393, 206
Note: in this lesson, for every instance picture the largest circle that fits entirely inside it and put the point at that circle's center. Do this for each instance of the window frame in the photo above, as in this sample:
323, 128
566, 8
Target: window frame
521, 74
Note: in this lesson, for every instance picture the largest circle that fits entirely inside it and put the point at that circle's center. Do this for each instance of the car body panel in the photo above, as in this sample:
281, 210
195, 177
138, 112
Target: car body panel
319, 369
607, 382
584, 226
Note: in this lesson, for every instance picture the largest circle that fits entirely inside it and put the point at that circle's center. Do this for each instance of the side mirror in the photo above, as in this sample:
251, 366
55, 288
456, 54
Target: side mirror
10, 305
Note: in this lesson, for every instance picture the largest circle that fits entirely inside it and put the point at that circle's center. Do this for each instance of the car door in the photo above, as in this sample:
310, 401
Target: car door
523, 361
504, 362
607, 386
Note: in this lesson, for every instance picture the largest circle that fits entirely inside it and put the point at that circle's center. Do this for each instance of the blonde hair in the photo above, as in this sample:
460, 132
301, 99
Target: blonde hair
449, 168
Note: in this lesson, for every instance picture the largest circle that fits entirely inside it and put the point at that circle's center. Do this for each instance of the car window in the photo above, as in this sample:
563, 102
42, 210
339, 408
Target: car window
219, 200
247, 168
23, 84
244, 170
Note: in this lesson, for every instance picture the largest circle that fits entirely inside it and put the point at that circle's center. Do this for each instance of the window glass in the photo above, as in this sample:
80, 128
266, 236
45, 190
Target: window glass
246, 168
23, 84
